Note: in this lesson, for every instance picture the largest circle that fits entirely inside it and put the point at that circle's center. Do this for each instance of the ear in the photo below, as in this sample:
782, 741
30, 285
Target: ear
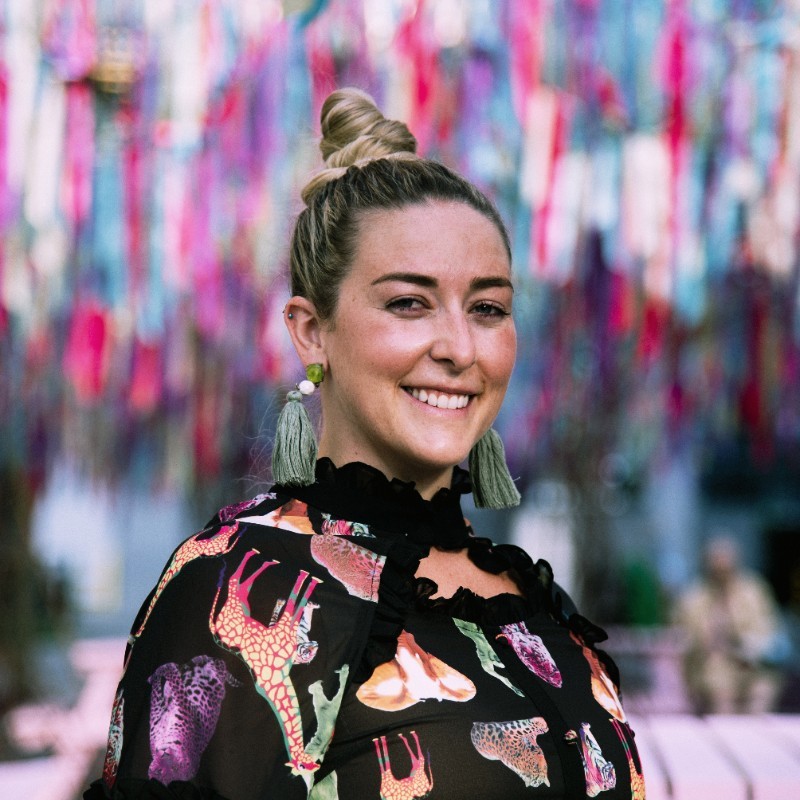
305, 328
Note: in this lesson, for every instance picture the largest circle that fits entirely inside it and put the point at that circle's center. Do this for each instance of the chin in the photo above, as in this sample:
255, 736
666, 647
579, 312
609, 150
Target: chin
438, 460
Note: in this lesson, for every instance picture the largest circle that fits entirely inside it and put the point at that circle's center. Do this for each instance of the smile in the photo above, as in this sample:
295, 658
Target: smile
440, 399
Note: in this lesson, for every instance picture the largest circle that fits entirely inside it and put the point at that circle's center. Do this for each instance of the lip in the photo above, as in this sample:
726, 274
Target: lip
440, 398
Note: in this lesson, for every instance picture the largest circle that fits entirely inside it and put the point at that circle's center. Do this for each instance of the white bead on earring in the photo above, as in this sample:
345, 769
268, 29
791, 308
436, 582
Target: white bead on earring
306, 387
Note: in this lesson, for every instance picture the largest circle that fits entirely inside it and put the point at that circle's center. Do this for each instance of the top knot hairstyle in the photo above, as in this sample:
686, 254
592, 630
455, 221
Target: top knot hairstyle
370, 164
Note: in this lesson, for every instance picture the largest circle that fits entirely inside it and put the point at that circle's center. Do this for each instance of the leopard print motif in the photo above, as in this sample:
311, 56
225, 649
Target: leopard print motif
514, 744
185, 702
356, 567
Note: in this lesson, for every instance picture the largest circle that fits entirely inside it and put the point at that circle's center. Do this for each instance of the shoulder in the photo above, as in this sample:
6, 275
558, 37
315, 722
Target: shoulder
281, 511
295, 535
259, 591
254, 563
278, 537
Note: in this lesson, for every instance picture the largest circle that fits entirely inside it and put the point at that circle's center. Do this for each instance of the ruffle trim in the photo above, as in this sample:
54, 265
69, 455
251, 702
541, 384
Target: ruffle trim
138, 789
358, 491
365, 478
396, 595
401, 591
534, 579
361, 492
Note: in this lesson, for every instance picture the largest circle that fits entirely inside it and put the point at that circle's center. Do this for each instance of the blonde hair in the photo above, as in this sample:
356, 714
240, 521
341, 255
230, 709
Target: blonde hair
370, 164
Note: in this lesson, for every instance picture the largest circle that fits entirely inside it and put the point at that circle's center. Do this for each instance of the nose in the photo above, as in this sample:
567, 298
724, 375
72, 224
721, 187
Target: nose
454, 342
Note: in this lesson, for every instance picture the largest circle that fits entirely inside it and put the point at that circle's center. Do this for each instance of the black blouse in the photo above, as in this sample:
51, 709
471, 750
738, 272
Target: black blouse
290, 651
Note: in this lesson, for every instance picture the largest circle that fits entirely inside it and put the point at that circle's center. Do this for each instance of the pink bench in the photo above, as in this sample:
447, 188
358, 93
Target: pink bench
74, 735
720, 757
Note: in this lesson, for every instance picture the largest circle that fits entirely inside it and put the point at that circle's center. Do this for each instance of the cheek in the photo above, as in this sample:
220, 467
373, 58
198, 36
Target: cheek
371, 351
391, 351
500, 358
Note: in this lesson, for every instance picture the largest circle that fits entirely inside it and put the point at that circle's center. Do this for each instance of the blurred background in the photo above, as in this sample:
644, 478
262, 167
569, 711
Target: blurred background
646, 157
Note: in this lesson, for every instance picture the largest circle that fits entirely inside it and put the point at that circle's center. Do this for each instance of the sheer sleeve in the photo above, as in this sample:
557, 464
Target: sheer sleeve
237, 665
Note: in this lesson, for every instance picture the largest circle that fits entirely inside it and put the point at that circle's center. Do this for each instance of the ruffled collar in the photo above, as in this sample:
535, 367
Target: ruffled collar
361, 493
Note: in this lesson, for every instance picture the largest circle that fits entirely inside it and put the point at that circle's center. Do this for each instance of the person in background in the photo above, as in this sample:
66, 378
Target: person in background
347, 634
732, 629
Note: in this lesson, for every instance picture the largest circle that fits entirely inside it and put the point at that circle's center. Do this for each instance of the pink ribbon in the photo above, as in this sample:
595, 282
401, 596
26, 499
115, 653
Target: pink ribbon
88, 351
76, 187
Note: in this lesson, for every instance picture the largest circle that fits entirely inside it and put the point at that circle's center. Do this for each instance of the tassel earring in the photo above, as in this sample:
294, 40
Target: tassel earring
294, 455
492, 484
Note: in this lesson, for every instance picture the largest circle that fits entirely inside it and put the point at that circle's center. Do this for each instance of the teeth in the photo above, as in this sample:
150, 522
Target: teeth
440, 399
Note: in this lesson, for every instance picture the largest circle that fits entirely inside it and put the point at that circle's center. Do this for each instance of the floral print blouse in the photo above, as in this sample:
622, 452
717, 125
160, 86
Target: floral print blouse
289, 651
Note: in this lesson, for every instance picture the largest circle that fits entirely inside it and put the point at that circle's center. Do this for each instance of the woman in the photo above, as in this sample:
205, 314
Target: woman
346, 635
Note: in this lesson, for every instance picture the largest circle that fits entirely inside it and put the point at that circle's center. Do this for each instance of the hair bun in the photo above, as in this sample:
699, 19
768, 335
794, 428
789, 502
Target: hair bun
355, 131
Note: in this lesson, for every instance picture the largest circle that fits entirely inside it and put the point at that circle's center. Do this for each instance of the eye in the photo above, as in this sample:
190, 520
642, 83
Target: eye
487, 309
406, 305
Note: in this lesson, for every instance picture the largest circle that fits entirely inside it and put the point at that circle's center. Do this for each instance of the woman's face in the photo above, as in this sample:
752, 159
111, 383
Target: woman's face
422, 343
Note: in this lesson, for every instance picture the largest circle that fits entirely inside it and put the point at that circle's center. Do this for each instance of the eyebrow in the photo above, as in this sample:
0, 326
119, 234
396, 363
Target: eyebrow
494, 281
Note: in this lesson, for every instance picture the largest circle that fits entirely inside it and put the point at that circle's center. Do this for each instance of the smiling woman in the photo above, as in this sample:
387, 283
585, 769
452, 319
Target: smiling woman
420, 348
294, 648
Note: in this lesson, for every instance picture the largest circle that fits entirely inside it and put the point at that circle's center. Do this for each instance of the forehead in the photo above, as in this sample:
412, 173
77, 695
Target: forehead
433, 237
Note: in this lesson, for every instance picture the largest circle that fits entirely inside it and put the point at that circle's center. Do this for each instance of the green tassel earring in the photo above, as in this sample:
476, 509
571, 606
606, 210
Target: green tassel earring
492, 484
294, 455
